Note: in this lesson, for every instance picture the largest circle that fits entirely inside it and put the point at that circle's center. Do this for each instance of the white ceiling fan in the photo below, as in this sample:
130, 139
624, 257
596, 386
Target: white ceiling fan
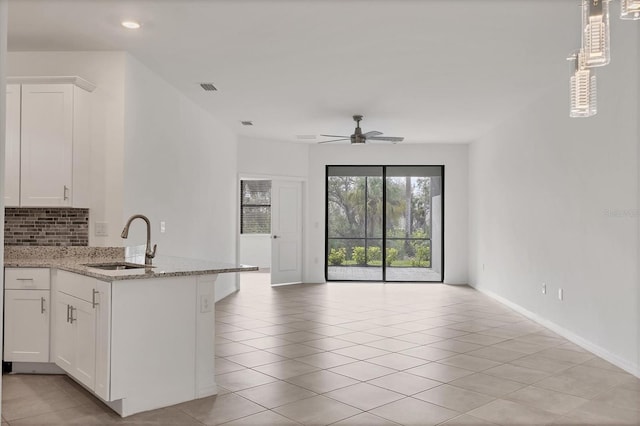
360, 138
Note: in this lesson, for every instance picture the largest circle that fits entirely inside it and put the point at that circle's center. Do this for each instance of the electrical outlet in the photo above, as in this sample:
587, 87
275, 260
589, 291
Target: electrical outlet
101, 229
560, 294
163, 226
205, 303
544, 288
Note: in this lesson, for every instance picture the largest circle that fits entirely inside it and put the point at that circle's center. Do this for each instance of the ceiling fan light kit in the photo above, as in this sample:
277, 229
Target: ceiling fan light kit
359, 138
595, 52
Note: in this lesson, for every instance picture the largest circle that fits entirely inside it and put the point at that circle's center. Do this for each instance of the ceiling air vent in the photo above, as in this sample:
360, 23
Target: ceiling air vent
247, 123
208, 87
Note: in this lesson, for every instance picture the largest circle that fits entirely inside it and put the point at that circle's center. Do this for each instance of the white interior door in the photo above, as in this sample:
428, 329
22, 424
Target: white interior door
286, 232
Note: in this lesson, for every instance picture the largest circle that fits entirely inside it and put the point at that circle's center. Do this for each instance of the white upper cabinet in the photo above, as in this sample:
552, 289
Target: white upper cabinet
46, 145
53, 139
12, 148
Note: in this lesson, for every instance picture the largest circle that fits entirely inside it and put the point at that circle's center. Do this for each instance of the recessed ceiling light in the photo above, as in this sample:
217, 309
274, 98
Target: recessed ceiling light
130, 25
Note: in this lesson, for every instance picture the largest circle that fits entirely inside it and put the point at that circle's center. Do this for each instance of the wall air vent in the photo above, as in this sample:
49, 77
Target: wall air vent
247, 123
208, 87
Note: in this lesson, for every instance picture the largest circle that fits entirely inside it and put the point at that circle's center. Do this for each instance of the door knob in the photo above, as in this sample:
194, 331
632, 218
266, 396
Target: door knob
275, 237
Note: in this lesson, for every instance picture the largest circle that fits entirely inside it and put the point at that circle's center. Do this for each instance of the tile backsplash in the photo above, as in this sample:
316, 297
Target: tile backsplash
46, 226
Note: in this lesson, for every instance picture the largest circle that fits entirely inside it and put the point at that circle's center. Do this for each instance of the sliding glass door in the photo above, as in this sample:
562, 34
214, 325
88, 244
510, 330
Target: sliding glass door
384, 223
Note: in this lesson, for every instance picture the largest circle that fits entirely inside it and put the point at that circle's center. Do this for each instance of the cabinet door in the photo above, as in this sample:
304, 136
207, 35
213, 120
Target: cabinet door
46, 147
12, 148
63, 334
84, 323
26, 324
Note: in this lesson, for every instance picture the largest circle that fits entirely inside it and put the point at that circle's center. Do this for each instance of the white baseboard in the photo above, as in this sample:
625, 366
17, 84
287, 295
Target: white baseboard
624, 364
285, 284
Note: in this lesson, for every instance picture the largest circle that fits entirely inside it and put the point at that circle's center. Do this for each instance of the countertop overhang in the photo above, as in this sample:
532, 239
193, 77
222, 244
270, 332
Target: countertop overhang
75, 260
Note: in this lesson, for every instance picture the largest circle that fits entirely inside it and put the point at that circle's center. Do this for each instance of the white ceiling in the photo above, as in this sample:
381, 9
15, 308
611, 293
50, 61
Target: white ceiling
432, 71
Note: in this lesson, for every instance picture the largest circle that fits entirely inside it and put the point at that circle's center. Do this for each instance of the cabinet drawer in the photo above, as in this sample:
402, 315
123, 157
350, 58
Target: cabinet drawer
26, 278
76, 285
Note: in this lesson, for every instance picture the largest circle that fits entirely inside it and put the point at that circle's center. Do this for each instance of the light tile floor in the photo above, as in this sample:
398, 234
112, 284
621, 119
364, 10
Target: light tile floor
368, 354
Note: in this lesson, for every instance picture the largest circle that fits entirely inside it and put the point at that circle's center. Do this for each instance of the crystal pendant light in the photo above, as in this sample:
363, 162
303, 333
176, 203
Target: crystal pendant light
583, 88
630, 9
595, 32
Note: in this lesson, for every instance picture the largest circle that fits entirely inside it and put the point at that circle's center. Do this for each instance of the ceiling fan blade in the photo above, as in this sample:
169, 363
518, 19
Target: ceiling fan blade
386, 138
335, 140
372, 133
334, 136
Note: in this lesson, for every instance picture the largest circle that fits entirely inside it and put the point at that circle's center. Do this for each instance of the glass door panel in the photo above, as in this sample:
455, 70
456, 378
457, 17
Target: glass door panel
354, 223
411, 219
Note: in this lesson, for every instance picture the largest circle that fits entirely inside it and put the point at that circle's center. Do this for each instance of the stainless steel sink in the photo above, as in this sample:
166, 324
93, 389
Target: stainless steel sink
116, 266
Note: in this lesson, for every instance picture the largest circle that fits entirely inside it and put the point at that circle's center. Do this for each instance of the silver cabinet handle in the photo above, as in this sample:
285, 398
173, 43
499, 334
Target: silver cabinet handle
68, 315
42, 300
93, 298
66, 190
24, 279
71, 318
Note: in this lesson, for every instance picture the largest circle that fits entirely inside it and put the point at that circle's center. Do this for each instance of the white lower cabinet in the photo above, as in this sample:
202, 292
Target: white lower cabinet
81, 330
76, 338
64, 333
26, 315
26, 322
137, 344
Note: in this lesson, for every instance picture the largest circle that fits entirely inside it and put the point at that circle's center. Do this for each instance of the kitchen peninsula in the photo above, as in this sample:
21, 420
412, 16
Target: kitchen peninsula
139, 339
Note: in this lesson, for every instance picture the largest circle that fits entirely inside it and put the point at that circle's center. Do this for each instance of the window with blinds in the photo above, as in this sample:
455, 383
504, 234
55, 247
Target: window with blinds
255, 207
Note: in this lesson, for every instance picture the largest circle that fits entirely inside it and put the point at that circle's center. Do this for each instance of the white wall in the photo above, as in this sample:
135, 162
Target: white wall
179, 167
555, 200
4, 13
453, 157
255, 249
106, 71
257, 157
638, 212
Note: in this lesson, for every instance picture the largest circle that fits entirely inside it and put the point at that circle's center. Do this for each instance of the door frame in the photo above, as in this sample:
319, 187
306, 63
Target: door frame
304, 219
384, 201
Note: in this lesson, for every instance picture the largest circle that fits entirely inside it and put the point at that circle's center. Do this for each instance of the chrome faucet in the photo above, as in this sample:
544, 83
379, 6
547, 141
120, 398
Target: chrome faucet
148, 255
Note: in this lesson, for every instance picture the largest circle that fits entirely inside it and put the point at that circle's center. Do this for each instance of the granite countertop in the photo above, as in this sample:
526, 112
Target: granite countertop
75, 259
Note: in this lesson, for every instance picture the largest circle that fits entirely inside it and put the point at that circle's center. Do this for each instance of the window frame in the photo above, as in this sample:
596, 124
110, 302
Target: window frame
328, 167
243, 205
